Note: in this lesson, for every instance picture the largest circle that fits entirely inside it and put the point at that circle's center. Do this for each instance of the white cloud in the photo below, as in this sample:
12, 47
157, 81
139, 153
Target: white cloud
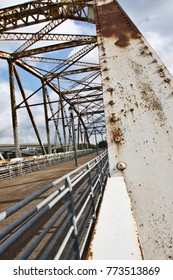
154, 19
4, 3
25, 128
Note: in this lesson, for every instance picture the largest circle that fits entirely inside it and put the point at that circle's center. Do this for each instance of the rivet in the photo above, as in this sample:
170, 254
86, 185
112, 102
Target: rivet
117, 139
121, 165
114, 118
111, 102
167, 80
110, 89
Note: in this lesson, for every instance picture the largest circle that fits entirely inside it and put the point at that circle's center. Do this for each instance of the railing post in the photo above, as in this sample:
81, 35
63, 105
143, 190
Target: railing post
21, 168
30, 167
71, 210
103, 167
100, 174
10, 171
91, 189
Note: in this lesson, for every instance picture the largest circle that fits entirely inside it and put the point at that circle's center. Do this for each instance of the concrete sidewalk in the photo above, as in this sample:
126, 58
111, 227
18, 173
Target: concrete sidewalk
115, 235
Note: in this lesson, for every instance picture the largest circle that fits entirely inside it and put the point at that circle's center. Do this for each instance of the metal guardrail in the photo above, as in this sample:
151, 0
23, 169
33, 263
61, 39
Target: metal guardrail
10, 170
56, 221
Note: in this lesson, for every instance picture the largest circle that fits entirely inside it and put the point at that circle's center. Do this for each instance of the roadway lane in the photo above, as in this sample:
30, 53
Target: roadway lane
13, 190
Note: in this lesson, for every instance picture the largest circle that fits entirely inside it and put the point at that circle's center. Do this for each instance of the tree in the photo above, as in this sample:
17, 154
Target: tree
102, 144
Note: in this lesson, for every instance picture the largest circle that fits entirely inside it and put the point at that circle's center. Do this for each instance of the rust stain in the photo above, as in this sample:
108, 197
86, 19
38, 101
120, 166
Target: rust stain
138, 68
113, 22
116, 134
113, 118
54, 12
140, 248
90, 256
152, 102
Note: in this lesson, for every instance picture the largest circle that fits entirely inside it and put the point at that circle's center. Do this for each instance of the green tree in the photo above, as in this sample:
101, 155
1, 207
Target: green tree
102, 144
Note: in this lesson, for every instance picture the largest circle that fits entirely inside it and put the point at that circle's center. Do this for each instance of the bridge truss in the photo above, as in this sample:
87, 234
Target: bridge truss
59, 67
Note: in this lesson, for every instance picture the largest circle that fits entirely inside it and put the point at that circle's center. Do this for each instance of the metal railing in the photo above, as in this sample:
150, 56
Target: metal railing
56, 221
10, 170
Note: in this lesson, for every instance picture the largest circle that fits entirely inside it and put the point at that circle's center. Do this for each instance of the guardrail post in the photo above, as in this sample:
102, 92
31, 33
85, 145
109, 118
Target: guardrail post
10, 171
71, 210
30, 167
91, 189
100, 174
21, 169
104, 167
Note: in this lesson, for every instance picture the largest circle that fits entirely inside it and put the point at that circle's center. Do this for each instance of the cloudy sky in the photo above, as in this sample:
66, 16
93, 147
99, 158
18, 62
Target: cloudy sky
153, 18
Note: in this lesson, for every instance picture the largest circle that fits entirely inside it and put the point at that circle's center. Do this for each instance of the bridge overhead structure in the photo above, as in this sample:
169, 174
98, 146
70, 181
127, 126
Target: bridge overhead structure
133, 99
58, 67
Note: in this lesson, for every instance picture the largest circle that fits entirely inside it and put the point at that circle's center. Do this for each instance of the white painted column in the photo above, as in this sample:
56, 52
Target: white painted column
138, 99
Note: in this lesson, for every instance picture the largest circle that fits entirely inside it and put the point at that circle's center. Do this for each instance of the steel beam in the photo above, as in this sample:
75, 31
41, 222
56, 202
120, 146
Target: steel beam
137, 92
13, 109
51, 48
56, 61
29, 111
21, 36
35, 12
46, 118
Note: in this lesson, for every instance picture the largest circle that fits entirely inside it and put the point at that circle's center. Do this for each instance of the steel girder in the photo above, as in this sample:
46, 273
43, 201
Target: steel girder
35, 12
137, 93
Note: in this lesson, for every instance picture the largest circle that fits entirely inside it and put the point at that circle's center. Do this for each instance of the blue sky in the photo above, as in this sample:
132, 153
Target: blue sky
153, 18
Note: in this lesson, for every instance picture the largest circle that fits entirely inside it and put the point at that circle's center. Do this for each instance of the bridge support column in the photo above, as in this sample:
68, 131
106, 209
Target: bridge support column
137, 92
46, 119
13, 109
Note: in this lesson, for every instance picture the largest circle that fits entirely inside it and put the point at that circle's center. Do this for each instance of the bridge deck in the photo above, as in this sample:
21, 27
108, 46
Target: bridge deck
20, 187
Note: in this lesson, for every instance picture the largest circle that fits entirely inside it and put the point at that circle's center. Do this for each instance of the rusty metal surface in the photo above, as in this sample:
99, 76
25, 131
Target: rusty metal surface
137, 92
112, 16
35, 12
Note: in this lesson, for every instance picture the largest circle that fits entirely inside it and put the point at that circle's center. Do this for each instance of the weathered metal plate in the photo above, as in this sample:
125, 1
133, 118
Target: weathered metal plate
138, 99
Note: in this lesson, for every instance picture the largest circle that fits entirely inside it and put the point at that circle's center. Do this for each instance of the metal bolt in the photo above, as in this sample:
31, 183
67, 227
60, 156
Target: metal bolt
114, 118
110, 89
121, 165
111, 102
167, 80
117, 139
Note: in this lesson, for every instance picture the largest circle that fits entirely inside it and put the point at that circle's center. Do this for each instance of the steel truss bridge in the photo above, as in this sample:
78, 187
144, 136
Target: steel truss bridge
113, 82
63, 79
